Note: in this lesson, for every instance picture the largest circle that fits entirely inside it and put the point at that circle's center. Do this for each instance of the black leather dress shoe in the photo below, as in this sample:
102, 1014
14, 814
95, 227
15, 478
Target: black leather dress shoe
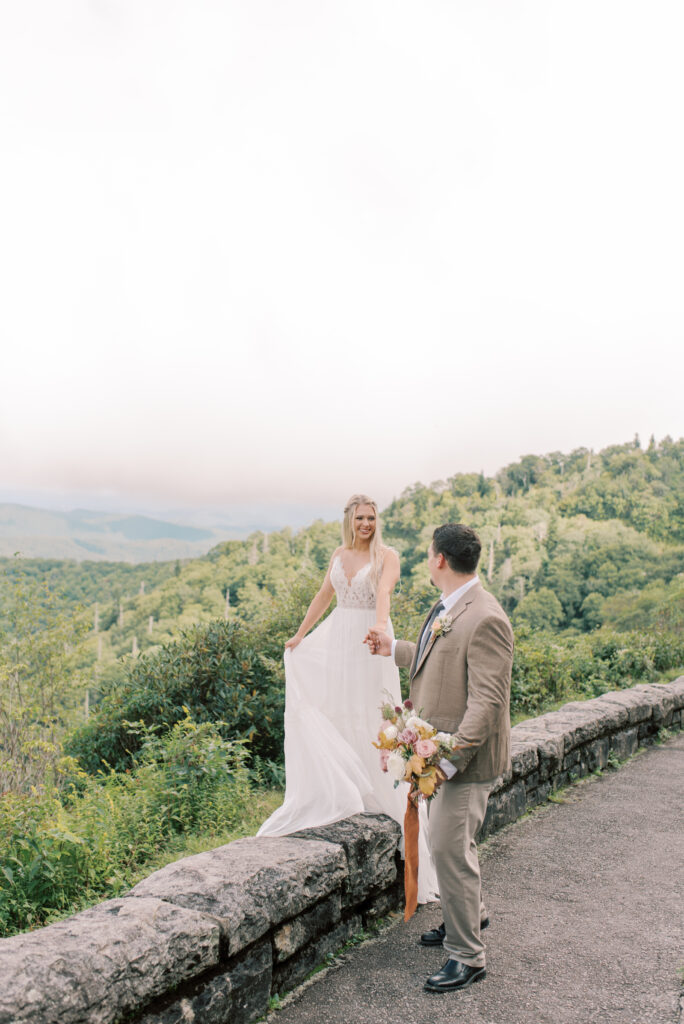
454, 975
435, 937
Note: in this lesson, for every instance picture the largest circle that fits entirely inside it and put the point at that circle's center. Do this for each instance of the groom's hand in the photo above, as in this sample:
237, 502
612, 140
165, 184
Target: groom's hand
378, 642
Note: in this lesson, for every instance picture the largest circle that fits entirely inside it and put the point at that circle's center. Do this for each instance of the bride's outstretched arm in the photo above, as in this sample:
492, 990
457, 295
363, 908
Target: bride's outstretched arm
315, 609
386, 584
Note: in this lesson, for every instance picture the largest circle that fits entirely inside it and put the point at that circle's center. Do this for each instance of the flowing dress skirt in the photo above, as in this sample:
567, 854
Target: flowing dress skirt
334, 689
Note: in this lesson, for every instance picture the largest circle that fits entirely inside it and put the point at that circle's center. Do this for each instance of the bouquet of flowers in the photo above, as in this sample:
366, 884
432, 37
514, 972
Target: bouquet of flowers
411, 751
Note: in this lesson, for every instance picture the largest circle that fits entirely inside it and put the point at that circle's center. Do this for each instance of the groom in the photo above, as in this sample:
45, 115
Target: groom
460, 673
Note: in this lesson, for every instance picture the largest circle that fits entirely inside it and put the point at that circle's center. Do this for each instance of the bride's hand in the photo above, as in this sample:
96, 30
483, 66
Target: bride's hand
378, 642
293, 641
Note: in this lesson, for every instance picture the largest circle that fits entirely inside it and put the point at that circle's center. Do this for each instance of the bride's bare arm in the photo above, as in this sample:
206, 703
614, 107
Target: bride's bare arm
315, 609
386, 584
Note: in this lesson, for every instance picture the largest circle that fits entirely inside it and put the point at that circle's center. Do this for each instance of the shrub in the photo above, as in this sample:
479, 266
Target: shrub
189, 781
548, 667
220, 671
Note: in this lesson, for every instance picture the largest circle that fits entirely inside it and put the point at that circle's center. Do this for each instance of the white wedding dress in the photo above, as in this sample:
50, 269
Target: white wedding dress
333, 692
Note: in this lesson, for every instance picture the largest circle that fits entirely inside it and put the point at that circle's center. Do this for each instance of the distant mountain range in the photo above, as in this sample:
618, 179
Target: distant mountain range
98, 536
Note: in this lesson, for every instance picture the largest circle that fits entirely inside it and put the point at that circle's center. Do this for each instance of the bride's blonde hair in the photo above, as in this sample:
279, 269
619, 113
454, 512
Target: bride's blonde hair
349, 533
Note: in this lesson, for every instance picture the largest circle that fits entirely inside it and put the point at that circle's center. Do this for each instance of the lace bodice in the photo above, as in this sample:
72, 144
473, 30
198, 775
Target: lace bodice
360, 593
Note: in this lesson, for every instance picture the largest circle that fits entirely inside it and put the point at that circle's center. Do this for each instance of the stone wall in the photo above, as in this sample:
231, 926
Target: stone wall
556, 748
210, 938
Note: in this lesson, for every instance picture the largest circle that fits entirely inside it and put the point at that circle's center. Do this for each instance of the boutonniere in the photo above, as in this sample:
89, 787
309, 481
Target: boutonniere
441, 625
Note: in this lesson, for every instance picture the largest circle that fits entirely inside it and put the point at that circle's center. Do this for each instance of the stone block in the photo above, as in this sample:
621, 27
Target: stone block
295, 934
210, 1001
105, 963
550, 749
288, 975
634, 702
663, 703
625, 743
236, 993
384, 903
504, 807
592, 718
676, 688
250, 885
540, 794
560, 779
571, 759
502, 781
251, 977
370, 843
544, 727
647, 731
524, 757
595, 755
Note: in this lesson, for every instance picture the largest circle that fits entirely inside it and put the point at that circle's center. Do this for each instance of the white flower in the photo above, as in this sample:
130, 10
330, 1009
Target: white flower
414, 722
443, 737
396, 765
391, 732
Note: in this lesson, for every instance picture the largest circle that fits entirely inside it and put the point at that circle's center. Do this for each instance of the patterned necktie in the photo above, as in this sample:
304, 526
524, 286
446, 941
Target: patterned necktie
426, 632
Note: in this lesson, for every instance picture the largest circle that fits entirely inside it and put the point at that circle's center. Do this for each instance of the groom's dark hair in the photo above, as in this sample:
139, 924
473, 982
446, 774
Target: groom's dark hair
460, 546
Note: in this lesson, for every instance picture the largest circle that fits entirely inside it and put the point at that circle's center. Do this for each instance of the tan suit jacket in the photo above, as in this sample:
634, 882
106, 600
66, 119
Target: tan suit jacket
462, 684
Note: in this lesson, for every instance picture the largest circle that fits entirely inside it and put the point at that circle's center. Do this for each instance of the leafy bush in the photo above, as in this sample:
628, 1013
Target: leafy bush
548, 668
189, 781
216, 670
226, 672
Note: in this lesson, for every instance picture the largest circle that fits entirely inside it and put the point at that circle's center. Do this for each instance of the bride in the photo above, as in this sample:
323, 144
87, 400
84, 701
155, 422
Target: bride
333, 691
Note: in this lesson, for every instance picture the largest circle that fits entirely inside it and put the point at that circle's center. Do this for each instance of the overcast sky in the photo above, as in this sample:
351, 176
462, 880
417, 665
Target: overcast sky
275, 251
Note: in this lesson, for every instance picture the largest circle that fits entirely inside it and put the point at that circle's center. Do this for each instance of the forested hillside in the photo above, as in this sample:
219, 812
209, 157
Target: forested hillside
152, 678
569, 542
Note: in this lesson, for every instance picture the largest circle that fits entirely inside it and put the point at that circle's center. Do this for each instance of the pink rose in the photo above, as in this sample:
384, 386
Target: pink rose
408, 736
425, 748
384, 754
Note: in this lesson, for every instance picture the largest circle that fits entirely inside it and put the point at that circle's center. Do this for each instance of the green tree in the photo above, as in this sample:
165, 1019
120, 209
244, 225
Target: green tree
592, 611
540, 609
39, 690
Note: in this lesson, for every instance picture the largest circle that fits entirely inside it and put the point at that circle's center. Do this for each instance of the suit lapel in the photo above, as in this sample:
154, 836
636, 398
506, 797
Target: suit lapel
459, 608
415, 665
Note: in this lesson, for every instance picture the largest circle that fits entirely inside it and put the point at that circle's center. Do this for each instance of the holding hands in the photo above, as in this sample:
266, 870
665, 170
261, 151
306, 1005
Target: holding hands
378, 642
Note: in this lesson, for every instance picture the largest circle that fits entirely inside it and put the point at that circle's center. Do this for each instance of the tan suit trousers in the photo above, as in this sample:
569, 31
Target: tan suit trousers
456, 815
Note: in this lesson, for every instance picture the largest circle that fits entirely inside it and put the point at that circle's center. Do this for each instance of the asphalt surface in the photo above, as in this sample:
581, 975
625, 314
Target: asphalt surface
586, 900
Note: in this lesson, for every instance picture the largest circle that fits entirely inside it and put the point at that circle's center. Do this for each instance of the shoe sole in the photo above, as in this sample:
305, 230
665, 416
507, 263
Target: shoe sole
456, 988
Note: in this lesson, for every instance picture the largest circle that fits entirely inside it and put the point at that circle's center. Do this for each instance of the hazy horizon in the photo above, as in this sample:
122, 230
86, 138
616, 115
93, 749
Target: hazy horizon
239, 516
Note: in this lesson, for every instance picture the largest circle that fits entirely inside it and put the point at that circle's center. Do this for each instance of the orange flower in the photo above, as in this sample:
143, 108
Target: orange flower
427, 783
414, 766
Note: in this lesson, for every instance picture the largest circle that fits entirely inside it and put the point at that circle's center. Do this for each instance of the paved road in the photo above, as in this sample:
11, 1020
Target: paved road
586, 900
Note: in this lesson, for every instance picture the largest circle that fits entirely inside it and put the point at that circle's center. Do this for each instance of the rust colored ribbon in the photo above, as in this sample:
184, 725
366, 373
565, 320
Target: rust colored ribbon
411, 828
